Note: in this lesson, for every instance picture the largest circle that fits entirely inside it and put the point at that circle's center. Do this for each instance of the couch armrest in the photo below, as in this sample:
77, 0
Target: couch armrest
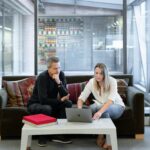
14, 112
3, 98
136, 101
11, 121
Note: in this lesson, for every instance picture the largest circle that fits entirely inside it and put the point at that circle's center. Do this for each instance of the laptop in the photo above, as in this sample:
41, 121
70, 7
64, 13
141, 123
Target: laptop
79, 115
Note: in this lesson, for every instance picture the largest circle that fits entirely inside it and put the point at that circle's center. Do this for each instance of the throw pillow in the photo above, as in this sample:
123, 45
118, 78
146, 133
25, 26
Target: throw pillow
122, 89
75, 90
14, 94
26, 87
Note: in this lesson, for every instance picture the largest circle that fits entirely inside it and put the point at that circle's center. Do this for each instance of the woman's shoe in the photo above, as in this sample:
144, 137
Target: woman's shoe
107, 147
101, 140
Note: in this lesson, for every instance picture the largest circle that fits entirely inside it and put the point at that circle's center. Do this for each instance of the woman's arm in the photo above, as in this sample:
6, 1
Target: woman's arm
79, 103
98, 114
111, 98
84, 95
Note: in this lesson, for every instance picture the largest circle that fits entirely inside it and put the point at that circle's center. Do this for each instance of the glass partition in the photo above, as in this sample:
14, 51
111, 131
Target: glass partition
81, 34
136, 41
16, 37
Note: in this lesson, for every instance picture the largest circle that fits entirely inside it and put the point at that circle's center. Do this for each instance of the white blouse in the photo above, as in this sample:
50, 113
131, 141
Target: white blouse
112, 94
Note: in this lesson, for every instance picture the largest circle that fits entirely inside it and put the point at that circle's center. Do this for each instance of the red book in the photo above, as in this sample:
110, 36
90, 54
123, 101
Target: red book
39, 120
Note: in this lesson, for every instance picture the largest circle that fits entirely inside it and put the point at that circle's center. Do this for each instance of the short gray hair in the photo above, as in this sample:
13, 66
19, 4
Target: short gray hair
51, 60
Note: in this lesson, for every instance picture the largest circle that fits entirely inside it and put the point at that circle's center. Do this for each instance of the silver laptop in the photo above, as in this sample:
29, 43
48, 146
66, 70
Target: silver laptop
78, 115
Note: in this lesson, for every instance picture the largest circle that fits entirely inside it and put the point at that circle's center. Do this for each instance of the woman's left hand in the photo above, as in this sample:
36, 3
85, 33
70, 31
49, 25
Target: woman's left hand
97, 115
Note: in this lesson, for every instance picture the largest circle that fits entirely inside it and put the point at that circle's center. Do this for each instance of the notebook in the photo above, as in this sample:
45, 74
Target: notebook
79, 115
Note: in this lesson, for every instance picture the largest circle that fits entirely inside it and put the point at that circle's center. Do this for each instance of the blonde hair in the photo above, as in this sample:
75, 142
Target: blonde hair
105, 75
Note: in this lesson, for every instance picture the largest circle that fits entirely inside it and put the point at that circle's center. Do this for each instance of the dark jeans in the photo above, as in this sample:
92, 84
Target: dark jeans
55, 109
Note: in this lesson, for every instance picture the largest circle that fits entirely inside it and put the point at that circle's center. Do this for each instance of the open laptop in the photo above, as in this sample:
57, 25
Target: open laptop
79, 115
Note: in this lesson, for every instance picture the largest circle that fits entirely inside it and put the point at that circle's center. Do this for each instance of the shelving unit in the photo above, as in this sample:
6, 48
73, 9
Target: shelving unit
57, 35
46, 39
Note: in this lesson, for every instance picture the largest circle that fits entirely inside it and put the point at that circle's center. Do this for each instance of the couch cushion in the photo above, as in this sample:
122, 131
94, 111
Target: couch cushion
26, 88
14, 94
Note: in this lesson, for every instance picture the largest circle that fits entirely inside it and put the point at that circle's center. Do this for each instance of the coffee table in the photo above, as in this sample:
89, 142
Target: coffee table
101, 126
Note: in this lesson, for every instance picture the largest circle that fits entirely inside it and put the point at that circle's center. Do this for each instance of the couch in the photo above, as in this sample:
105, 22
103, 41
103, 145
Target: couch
130, 124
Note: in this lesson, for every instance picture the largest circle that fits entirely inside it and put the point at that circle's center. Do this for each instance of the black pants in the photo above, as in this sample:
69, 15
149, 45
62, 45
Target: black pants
55, 109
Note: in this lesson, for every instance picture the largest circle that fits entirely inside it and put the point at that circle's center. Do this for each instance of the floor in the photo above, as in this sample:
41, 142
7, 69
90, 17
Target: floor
83, 143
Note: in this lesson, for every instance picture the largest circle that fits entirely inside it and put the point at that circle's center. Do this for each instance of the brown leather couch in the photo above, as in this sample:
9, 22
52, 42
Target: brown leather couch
130, 124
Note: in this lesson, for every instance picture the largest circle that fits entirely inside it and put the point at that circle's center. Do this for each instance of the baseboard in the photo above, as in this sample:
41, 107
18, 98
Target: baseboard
146, 116
147, 120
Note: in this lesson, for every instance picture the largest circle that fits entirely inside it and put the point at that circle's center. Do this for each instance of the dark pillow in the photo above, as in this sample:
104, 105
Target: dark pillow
122, 89
75, 90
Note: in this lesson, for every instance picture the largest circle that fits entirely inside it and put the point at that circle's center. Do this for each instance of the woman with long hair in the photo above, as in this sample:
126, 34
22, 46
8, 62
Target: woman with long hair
107, 101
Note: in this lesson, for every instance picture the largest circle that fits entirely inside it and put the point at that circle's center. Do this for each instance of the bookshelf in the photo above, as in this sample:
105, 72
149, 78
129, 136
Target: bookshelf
57, 35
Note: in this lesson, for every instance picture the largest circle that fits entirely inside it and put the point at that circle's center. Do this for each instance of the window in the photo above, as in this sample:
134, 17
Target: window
137, 51
16, 37
80, 41
5, 41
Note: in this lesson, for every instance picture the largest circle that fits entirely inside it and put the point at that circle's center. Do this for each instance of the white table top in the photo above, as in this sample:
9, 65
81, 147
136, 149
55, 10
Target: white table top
64, 127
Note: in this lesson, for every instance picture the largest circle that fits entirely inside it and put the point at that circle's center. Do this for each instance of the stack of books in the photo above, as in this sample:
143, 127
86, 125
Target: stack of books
39, 120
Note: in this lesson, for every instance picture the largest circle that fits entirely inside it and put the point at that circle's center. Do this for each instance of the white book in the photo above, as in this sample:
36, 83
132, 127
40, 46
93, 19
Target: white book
41, 125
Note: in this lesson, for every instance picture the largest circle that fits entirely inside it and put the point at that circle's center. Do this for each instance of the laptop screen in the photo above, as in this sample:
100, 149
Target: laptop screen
79, 115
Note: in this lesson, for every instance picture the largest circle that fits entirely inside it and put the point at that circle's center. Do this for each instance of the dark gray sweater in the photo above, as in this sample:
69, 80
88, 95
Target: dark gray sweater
46, 89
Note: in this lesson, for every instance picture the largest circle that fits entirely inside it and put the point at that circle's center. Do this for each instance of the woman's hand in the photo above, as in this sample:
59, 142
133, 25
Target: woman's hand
79, 103
97, 115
